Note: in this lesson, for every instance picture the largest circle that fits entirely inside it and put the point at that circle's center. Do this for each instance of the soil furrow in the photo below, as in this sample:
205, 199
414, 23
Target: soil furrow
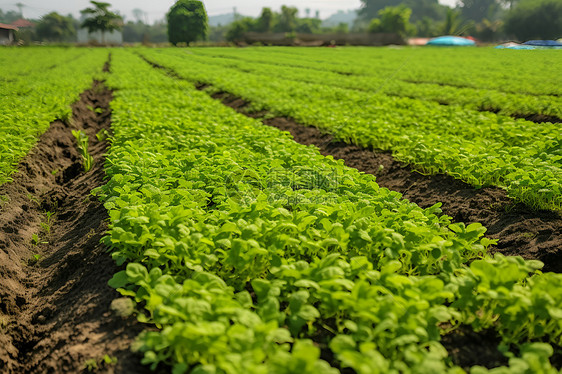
520, 230
55, 304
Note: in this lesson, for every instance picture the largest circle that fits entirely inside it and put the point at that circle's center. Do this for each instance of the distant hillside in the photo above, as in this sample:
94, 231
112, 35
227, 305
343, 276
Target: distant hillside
340, 17
221, 19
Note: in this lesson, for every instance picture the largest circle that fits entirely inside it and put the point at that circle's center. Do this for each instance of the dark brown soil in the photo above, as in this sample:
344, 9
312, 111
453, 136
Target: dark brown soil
55, 313
467, 348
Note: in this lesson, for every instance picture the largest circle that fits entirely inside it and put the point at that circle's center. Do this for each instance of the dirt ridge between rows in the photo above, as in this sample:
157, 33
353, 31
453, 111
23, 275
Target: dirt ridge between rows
520, 230
55, 313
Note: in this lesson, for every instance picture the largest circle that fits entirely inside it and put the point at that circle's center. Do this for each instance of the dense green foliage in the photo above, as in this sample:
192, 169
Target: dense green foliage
420, 8
248, 252
393, 20
480, 148
37, 87
54, 27
535, 19
187, 22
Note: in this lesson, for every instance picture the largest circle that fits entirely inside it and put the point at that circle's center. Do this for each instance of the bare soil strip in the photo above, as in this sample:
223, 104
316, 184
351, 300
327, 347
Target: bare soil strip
55, 313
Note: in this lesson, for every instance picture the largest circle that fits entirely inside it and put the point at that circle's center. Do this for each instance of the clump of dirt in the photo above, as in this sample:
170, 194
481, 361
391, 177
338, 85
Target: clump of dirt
55, 311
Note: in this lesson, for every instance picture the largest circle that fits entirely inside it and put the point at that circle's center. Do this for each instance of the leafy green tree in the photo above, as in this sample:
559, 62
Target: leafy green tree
535, 19
265, 21
420, 8
393, 20
454, 24
287, 19
341, 28
238, 28
100, 18
56, 28
308, 25
187, 22
426, 27
489, 31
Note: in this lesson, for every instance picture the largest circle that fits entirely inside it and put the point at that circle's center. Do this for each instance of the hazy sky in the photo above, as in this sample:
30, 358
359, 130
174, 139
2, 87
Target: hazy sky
157, 9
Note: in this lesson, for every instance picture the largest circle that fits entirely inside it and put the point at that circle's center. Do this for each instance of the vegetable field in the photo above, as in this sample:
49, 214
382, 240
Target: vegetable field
280, 210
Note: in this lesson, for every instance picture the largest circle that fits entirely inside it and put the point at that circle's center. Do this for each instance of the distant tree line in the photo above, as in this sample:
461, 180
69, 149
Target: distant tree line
487, 20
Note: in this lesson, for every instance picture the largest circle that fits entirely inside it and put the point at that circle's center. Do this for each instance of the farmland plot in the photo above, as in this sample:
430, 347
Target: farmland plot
241, 250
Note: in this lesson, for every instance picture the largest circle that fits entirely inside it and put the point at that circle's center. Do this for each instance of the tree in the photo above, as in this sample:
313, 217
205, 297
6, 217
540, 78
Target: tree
238, 28
187, 22
393, 20
420, 9
100, 18
265, 21
287, 19
308, 25
139, 15
477, 10
489, 31
9, 17
535, 19
453, 24
54, 27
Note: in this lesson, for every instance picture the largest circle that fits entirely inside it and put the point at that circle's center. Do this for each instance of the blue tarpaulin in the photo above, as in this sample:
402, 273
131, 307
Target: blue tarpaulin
543, 43
451, 41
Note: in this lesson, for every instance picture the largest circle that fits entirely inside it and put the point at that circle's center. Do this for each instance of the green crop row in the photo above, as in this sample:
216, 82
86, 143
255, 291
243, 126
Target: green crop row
482, 149
387, 82
530, 72
248, 252
37, 86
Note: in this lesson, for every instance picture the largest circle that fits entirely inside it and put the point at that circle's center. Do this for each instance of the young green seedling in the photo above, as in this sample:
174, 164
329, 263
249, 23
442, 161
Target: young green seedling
82, 142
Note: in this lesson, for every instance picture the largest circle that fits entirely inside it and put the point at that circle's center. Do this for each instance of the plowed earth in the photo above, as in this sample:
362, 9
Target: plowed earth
55, 304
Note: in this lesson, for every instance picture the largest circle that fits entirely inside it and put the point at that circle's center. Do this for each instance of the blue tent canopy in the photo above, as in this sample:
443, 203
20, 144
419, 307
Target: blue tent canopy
543, 43
451, 41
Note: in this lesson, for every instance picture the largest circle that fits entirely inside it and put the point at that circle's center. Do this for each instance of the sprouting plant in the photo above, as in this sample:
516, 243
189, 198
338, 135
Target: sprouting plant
55, 171
33, 199
102, 135
91, 364
36, 240
109, 360
82, 141
46, 225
